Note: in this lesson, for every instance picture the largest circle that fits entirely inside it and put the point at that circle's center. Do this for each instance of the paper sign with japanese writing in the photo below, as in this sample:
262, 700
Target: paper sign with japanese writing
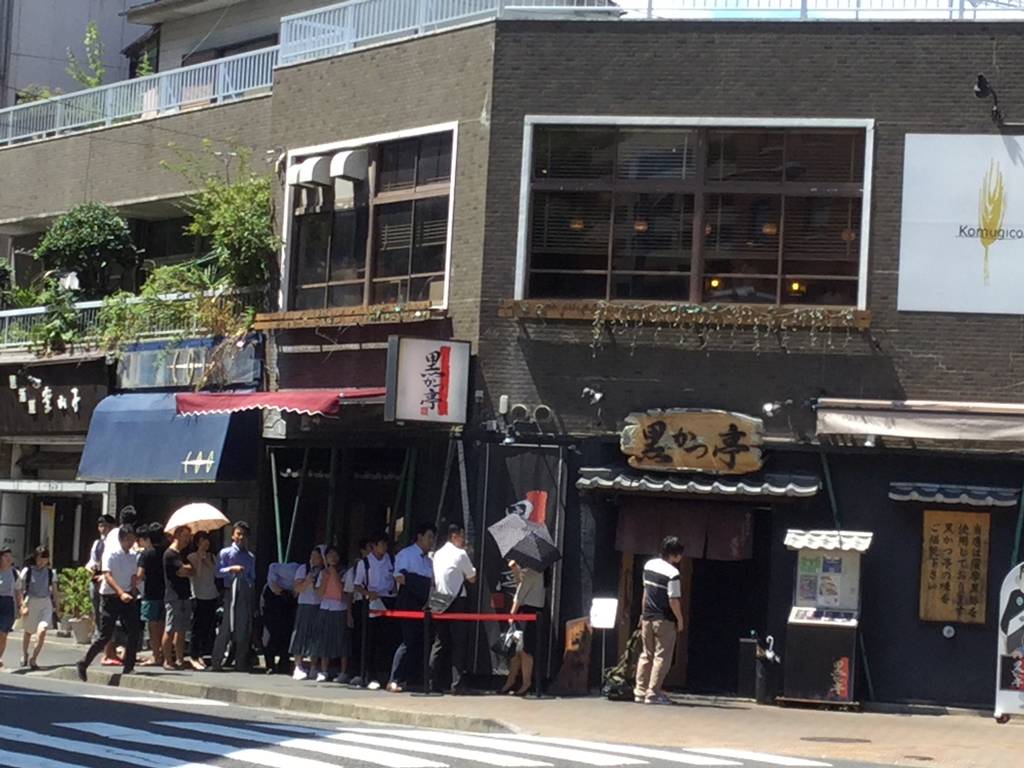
954, 567
717, 442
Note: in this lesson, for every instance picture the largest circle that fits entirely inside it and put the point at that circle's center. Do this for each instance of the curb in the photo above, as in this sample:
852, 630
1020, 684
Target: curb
286, 703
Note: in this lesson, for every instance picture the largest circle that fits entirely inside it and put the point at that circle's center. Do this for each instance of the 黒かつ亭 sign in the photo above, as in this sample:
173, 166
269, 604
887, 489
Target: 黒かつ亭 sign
427, 380
716, 442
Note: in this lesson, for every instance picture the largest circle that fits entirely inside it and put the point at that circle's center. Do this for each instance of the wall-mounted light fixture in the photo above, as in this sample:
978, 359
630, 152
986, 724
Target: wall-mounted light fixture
983, 90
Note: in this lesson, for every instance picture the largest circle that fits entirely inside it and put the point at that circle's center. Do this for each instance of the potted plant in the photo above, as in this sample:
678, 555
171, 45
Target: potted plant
76, 604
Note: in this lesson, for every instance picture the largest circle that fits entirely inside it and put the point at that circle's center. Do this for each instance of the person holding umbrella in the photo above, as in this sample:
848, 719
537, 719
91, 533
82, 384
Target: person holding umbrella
529, 598
177, 598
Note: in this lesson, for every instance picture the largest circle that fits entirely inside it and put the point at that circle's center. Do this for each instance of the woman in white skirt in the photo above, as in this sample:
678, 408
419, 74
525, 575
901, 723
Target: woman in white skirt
329, 641
39, 586
306, 615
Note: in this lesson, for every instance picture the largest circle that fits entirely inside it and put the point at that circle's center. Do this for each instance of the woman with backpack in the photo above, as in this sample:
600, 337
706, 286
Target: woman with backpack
40, 603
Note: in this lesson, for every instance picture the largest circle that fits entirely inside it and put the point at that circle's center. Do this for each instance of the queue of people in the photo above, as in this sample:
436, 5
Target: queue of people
144, 580
322, 620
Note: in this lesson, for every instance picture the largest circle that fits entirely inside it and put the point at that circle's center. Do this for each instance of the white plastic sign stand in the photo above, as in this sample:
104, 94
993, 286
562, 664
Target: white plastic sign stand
603, 613
1010, 654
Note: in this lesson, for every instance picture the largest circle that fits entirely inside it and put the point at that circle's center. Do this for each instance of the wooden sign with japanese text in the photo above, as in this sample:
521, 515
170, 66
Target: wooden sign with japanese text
716, 442
954, 566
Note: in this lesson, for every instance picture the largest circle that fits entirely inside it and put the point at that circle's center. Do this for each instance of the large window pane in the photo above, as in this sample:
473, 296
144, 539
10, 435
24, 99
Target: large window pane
667, 155
745, 156
741, 234
435, 163
573, 153
822, 236
309, 298
834, 292
818, 156
394, 239
397, 165
570, 230
348, 245
431, 235
313, 243
653, 232
348, 295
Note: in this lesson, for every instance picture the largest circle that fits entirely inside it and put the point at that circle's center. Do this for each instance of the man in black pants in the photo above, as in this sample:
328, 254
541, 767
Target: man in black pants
118, 602
414, 574
452, 571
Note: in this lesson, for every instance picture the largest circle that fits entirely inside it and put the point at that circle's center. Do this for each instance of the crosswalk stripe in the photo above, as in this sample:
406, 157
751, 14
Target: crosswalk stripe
643, 752
124, 699
362, 754
586, 757
21, 760
390, 742
762, 757
115, 754
263, 757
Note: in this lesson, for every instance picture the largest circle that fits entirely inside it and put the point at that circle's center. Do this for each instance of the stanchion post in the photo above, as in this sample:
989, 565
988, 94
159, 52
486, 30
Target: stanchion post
364, 647
428, 683
541, 656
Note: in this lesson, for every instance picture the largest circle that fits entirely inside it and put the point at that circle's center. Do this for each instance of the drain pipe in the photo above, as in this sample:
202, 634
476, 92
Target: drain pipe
837, 520
1015, 558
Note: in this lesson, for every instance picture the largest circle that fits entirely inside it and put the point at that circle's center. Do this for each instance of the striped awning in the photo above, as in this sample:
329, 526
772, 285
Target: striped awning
941, 493
771, 485
846, 541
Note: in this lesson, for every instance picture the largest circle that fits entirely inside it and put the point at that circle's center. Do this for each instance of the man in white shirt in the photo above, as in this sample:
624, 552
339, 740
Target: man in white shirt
452, 571
95, 567
375, 581
118, 601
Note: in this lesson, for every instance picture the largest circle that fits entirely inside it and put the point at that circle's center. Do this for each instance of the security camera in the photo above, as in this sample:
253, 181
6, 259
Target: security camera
591, 395
769, 409
35, 381
982, 89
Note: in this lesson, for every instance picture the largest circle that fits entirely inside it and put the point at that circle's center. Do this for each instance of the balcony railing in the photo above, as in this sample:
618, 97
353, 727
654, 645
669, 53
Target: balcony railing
357, 23
164, 93
17, 325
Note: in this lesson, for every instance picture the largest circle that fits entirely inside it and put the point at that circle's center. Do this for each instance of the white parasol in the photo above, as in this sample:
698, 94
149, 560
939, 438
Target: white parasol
198, 517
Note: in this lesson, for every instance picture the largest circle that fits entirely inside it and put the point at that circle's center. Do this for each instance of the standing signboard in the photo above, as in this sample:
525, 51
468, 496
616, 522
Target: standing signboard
1010, 652
821, 637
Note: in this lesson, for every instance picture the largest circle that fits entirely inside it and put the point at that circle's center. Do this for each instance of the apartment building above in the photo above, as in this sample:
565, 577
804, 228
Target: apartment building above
35, 37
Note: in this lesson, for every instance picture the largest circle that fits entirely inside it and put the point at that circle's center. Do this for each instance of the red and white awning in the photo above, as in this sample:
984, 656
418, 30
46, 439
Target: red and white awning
311, 402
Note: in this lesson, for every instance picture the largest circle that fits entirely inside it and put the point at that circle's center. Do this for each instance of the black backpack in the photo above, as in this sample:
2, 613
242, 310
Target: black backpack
27, 577
617, 682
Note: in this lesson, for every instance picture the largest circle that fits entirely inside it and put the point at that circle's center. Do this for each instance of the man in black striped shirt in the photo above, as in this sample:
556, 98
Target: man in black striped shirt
661, 621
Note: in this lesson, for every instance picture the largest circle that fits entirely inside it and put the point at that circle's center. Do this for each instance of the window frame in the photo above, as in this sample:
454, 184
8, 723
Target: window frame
288, 261
703, 189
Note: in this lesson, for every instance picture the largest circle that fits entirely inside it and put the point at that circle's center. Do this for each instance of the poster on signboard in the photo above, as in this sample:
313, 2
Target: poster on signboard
962, 224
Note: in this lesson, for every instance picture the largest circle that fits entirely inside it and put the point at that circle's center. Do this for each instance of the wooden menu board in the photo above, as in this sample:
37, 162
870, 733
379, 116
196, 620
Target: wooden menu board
954, 566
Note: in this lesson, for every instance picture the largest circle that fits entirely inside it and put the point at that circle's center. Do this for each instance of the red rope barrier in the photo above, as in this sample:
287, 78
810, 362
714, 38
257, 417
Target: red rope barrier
456, 616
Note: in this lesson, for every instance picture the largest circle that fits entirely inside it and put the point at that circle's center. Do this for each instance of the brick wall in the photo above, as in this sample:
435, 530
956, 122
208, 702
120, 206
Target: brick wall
123, 163
908, 77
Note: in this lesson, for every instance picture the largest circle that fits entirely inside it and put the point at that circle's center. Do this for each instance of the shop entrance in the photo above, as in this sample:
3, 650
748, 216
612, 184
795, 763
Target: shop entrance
724, 582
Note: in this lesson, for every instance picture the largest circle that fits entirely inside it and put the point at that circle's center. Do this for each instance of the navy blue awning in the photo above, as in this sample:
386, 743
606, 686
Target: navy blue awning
941, 493
140, 438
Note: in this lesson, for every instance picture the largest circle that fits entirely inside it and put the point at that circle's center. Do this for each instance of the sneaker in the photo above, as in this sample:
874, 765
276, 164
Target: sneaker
658, 699
82, 675
638, 699
344, 678
356, 681
374, 685
321, 677
394, 688
300, 673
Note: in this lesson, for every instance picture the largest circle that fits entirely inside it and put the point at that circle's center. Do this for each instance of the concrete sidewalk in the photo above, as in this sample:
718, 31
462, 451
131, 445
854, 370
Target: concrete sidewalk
922, 740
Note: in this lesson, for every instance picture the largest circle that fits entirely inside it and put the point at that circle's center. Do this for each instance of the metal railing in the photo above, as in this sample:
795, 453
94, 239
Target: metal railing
17, 325
357, 23
164, 93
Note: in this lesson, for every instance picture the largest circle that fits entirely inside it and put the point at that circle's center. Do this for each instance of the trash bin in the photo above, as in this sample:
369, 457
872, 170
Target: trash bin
747, 670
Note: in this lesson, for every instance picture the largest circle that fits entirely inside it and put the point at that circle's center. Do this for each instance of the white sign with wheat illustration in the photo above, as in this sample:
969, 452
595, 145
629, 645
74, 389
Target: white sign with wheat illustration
962, 224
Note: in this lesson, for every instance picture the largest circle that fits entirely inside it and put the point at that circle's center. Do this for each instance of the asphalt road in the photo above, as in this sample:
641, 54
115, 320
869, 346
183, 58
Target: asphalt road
50, 724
